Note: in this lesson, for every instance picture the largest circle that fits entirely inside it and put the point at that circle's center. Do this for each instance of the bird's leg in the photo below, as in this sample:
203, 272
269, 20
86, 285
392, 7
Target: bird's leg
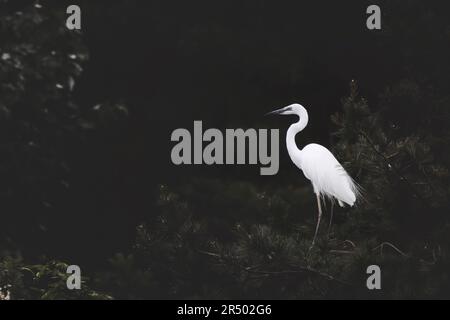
319, 206
331, 217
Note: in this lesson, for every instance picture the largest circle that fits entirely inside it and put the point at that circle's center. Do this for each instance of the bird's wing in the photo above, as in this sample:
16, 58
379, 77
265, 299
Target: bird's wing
327, 175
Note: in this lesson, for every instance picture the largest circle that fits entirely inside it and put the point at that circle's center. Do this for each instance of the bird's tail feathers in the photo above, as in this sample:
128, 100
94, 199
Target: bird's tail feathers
357, 189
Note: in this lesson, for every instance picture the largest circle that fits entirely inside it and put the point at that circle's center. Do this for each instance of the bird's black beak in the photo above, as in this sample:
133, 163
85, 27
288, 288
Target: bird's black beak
278, 111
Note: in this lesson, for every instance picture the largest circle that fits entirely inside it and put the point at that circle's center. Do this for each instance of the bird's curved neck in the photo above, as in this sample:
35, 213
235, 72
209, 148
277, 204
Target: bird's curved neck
292, 132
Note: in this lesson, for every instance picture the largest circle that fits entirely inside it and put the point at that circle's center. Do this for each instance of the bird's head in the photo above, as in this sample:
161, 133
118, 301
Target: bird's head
295, 108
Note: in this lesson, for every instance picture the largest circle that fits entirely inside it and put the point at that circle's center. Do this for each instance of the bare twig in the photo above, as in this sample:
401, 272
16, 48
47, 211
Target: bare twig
301, 269
381, 246
342, 251
351, 242
209, 253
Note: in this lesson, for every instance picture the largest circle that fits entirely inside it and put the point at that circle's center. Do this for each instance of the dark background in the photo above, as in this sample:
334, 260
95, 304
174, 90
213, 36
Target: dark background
155, 66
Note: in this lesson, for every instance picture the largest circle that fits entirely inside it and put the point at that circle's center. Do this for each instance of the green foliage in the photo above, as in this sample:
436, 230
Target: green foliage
40, 63
46, 281
45, 135
406, 196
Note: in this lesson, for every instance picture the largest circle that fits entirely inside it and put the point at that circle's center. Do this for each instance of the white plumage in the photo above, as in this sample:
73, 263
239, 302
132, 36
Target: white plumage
328, 177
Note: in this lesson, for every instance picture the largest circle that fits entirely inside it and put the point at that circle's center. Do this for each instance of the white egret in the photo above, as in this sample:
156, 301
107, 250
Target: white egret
328, 177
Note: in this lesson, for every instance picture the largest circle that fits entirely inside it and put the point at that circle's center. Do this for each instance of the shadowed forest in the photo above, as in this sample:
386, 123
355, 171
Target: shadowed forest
86, 176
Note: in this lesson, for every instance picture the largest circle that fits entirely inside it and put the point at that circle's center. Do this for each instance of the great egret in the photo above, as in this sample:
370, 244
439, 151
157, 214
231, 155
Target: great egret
328, 177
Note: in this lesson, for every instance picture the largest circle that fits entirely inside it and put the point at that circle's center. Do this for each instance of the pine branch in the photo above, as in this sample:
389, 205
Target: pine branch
393, 168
